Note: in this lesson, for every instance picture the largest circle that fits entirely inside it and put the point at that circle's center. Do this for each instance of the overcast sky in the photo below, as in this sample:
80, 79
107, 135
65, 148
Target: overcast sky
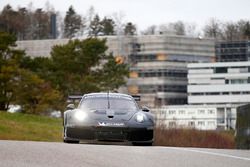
152, 12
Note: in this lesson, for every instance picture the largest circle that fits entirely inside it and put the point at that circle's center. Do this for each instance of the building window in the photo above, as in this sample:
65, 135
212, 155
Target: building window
172, 124
221, 70
191, 124
201, 123
171, 112
235, 93
191, 112
212, 93
162, 112
181, 112
201, 111
211, 123
220, 120
197, 94
211, 111
239, 81
164, 73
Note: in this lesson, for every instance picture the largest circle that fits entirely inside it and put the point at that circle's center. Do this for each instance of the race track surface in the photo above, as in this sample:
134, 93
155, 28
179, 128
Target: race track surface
47, 154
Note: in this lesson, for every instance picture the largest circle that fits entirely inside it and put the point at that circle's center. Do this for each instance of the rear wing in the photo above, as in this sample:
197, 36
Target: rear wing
136, 97
77, 98
74, 99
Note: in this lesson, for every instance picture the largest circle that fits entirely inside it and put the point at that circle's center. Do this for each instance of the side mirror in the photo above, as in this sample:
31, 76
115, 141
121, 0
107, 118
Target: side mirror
145, 109
70, 107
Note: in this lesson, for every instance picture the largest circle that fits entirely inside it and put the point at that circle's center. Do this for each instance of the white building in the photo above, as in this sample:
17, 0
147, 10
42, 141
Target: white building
215, 90
219, 83
202, 117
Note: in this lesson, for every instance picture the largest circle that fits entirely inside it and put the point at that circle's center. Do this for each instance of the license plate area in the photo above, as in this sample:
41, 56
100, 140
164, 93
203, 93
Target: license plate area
111, 135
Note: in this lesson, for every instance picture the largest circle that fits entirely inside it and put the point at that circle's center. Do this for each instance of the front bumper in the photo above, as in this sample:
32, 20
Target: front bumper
133, 134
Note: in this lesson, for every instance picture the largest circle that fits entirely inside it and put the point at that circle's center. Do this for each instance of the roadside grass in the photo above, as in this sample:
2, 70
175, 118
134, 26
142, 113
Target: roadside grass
194, 138
18, 126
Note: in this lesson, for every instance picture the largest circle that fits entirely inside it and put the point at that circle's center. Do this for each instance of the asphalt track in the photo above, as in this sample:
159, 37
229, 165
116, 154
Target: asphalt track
47, 154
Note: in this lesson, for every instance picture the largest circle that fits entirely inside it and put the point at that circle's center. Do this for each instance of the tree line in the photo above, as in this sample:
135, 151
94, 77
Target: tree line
230, 31
42, 84
214, 28
29, 24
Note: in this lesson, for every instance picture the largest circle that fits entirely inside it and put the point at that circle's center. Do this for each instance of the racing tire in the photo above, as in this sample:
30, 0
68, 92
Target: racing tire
142, 144
71, 141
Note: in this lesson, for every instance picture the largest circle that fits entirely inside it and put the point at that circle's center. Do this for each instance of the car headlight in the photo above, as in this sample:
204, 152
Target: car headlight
140, 117
80, 115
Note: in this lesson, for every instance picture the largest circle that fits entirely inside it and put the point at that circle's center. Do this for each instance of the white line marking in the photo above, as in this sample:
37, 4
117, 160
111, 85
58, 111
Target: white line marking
211, 153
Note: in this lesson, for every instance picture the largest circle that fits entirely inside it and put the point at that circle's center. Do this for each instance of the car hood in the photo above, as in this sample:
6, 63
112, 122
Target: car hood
114, 115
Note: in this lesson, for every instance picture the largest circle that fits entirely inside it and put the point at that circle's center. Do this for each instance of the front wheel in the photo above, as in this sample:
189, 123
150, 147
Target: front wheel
71, 141
65, 140
142, 144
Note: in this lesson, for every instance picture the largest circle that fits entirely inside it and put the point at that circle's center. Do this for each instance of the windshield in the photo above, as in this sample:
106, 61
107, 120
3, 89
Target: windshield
100, 103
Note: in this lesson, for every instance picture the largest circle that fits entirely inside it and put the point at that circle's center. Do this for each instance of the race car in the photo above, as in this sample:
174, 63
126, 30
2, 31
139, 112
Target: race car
108, 117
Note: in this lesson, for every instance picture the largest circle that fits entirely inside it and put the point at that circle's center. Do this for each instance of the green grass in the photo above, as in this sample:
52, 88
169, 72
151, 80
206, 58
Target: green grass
17, 126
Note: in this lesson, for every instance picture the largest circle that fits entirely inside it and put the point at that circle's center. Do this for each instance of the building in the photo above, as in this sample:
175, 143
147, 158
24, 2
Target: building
158, 63
42, 48
219, 83
215, 92
202, 117
231, 51
158, 67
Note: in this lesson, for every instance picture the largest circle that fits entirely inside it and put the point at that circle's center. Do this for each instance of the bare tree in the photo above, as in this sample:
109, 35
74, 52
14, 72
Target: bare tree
42, 24
244, 29
190, 29
213, 29
247, 30
173, 28
166, 29
49, 7
179, 28
87, 19
60, 25
90, 14
231, 31
151, 30
119, 22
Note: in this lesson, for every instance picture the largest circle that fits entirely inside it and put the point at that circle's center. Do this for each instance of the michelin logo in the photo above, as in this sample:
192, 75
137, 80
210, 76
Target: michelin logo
110, 124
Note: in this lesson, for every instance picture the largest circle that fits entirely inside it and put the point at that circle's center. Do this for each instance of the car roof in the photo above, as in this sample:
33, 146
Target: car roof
103, 94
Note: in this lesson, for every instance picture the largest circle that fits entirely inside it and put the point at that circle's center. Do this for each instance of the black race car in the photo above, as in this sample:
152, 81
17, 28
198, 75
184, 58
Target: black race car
108, 117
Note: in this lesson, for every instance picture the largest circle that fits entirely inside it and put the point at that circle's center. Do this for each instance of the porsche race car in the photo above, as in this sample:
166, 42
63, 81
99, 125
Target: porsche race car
108, 117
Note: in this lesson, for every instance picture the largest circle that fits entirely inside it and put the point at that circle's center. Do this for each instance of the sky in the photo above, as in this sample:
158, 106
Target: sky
145, 13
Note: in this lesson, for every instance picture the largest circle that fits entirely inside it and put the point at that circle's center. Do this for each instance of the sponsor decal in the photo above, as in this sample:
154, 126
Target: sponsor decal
111, 124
